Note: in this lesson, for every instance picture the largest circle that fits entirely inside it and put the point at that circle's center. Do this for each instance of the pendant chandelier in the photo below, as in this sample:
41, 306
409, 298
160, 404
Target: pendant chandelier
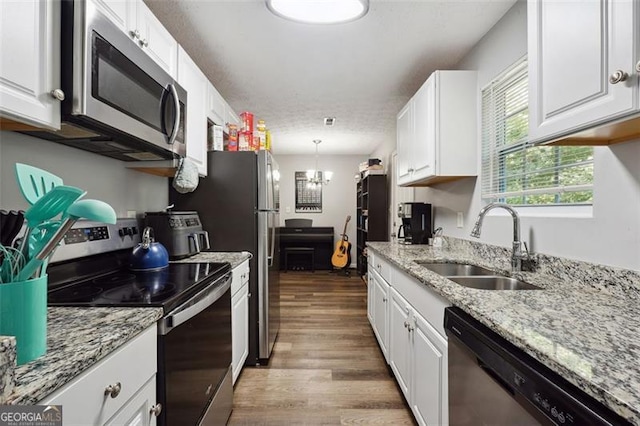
317, 177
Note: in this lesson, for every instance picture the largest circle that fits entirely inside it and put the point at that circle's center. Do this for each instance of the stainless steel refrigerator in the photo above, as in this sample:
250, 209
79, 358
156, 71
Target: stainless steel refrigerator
238, 203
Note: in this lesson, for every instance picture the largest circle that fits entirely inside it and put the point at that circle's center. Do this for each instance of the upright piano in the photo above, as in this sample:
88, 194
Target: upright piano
320, 238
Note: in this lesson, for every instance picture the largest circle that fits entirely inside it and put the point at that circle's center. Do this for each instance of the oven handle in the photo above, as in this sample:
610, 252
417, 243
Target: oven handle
193, 307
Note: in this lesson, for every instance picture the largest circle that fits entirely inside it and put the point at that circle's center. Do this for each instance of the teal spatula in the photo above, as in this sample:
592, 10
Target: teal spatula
34, 182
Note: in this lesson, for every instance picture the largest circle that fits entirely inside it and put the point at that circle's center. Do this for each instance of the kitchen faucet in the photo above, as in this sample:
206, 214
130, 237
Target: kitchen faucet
517, 254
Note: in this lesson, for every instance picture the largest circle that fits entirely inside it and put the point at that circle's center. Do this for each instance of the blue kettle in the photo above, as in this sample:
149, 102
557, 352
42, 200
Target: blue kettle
148, 255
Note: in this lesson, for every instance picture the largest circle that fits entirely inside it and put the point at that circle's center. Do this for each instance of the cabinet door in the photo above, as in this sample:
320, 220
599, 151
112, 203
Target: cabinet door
122, 13
399, 341
429, 390
239, 330
423, 149
191, 78
138, 410
573, 49
380, 312
231, 117
216, 106
157, 42
404, 133
30, 46
370, 304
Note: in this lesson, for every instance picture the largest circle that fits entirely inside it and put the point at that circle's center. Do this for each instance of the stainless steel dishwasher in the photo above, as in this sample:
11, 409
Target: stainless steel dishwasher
491, 382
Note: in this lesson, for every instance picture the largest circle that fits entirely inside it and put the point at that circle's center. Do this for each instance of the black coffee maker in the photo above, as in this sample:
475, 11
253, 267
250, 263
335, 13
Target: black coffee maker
417, 223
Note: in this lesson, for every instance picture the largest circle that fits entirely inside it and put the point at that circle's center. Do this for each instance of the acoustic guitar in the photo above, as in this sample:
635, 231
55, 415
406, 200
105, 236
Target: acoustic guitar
341, 258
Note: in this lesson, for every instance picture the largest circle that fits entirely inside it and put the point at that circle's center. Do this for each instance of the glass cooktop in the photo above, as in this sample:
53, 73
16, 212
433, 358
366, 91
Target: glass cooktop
167, 287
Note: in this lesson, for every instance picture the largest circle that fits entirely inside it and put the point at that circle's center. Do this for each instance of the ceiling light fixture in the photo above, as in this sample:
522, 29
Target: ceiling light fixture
319, 11
316, 177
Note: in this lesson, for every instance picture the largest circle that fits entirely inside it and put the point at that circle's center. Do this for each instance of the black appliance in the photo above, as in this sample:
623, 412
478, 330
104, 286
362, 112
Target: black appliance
491, 382
180, 232
117, 101
417, 223
238, 204
194, 334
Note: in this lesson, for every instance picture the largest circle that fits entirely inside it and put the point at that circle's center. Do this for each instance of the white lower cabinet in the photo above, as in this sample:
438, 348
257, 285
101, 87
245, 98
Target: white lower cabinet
400, 341
239, 318
380, 324
429, 386
416, 346
114, 389
141, 410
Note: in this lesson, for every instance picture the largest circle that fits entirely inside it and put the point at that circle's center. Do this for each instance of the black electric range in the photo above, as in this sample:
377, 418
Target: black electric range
167, 288
90, 269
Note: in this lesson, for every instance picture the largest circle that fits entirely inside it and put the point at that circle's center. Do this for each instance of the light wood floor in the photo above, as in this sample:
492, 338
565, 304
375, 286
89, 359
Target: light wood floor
326, 367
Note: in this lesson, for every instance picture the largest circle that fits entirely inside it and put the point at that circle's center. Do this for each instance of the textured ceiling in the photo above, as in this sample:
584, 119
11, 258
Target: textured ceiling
292, 75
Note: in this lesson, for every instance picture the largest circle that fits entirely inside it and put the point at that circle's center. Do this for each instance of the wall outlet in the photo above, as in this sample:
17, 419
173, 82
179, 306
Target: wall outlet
131, 213
460, 220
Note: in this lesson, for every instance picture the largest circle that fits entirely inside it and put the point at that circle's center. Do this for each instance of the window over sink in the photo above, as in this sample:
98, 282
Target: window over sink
513, 171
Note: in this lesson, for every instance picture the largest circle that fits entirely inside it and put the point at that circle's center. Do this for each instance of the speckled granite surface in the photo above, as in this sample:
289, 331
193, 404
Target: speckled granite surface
7, 366
77, 338
234, 258
585, 324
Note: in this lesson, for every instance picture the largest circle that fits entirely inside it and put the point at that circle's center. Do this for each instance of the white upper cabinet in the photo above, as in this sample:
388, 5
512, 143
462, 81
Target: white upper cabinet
156, 41
216, 110
30, 63
231, 117
437, 130
584, 62
120, 12
195, 83
135, 19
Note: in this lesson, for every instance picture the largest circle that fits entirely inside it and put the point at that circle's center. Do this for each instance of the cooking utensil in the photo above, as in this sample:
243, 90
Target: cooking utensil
34, 183
11, 232
95, 210
47, 207
148, 255
8, 224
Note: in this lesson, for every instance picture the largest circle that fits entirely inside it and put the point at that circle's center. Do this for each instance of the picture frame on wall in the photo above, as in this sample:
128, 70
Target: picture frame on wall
308, 196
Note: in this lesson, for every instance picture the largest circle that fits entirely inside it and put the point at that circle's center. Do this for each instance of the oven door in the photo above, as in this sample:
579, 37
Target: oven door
194, 356
117, 86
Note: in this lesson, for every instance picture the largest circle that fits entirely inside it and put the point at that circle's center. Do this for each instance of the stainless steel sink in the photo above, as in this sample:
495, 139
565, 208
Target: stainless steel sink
493, 283
455, 269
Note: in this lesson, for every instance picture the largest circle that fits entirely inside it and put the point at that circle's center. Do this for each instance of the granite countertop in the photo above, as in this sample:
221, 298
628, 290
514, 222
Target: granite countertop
234, 258
77, 338
584, 324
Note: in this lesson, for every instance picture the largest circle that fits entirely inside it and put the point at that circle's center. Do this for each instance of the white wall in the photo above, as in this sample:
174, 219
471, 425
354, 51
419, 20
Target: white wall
104, 178
609, 235
338, 198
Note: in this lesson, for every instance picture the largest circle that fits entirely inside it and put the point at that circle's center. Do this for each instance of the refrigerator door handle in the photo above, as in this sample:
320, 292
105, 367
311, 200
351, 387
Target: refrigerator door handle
273, 245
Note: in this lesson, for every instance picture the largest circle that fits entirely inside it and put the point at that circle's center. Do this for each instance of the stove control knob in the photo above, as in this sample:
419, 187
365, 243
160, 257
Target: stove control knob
127, 231
121, 232
134, 230
113, 390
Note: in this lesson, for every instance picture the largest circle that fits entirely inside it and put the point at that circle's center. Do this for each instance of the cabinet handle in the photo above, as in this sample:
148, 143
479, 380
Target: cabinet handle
618, 76
411, 328
134, 33
156, 410
638, 66
410, 170
248, 295
144, 43
384, 299
113, 390
57, 94
406, 324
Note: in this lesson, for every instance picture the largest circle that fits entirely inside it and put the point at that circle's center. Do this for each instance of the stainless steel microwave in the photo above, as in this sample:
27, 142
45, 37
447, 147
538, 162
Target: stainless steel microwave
117, 101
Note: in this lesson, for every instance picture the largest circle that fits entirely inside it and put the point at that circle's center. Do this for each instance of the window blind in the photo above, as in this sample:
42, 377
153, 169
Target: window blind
516, 173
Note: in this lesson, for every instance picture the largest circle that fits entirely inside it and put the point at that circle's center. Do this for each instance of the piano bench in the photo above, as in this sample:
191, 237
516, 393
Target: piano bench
299, 250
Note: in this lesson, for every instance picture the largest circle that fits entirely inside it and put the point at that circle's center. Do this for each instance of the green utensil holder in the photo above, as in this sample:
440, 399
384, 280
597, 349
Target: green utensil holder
23, 314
